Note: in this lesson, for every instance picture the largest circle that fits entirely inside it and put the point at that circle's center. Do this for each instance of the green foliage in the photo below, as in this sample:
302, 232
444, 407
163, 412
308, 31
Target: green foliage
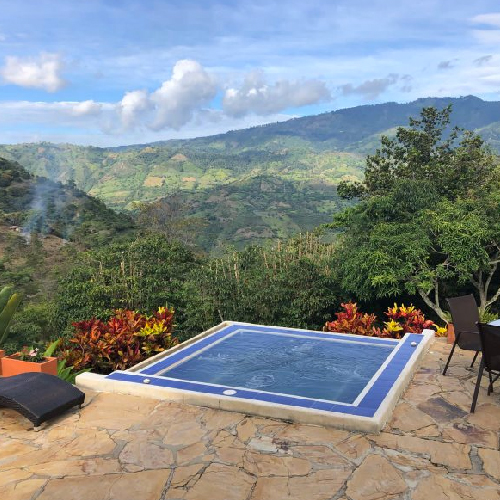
33, 324
455, 162
9, 302
487, 316
46, 207
68, 373
31, 354
429, 219
259, 209
247, 186
289, 284
140, 275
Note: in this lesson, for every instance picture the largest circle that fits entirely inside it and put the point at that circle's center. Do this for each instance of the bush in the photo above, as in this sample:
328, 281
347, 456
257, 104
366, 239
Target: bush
124, 340
350, 320
401, 320
405, 319
140, 275
31, 325
289, 284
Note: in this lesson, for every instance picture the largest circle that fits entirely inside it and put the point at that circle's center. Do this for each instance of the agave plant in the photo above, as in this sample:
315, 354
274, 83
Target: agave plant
9, 302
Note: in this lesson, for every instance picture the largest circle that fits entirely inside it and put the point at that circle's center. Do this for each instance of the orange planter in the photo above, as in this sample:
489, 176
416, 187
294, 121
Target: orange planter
451, 333
2, 354
10, 365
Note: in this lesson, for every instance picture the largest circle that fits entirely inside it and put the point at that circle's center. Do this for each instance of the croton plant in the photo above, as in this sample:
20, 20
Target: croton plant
400, 320
127, 338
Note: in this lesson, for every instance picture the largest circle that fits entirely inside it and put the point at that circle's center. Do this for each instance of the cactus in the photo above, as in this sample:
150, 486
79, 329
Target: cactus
8, 305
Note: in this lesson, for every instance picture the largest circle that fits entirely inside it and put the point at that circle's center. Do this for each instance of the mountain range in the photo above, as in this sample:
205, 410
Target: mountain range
247, 185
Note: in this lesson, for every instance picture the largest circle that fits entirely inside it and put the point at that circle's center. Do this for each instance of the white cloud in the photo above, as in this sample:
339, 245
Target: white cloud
85, 108
258, 97
42, 72
25, 121
177, 99
489, 37
370, 89
491, 19
132, 106
173, 104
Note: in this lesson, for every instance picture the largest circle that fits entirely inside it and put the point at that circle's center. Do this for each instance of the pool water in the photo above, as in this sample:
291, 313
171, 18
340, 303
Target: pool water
317, 368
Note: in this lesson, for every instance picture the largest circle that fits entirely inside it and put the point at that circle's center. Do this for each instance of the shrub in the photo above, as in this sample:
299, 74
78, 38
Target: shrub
127, 338
404, 319
9, 302
287, 284
138, 275
401, 320
352, 321
32, 324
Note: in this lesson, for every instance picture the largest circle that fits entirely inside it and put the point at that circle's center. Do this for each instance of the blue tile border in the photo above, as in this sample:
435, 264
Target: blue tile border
366, 407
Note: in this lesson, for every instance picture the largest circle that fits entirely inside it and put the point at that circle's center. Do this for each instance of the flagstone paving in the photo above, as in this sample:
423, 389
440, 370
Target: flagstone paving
127, 448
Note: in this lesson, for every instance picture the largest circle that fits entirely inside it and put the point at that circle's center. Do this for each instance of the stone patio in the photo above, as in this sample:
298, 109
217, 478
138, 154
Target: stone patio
127, 448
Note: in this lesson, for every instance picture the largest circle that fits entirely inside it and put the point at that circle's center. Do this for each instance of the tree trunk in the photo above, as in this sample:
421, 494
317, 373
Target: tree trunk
435, 307
482, 286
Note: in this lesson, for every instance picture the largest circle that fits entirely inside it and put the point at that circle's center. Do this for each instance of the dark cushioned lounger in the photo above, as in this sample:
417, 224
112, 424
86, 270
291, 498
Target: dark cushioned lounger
38, 396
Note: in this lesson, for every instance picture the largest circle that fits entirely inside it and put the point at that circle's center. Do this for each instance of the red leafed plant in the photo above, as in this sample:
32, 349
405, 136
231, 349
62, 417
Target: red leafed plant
124, 340
409, 319
401, 319
350, 320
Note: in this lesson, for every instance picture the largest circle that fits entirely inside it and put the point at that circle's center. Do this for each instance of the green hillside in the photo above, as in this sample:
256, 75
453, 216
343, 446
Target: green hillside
38, 205
121, 178
303, 159
249, 210
43, 225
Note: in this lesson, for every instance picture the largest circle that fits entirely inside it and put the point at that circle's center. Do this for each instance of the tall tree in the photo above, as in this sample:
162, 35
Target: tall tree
428, 219
455, 161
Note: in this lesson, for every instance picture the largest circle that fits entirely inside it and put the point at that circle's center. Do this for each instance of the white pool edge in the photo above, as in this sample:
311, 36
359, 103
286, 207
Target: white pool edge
100, 383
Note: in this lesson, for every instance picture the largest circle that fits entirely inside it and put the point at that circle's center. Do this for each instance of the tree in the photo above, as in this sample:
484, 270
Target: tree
456, 162
169, 217
428, 219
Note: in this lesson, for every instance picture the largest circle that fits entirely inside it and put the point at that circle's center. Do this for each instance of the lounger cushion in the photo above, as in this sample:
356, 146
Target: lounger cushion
38, 396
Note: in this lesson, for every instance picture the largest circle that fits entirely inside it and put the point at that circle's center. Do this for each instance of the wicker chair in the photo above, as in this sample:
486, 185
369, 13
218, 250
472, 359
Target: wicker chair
490, 347
465, 316
38, 396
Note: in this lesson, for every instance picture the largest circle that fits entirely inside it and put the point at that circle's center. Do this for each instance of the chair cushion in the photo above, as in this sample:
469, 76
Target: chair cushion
38, 396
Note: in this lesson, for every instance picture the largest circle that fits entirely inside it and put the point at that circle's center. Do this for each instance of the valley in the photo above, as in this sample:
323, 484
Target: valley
245, 186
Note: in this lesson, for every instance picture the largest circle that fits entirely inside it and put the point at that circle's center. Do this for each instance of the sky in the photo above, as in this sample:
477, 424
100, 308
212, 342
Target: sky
117, 72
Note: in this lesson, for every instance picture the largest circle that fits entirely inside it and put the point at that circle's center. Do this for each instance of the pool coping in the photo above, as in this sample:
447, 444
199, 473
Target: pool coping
370, 416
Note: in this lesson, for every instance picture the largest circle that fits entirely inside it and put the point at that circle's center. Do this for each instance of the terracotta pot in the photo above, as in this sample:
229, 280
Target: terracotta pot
451, 333
2, 354
10, 365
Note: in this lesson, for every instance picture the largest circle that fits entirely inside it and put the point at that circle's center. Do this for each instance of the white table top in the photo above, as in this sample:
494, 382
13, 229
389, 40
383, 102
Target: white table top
495, 322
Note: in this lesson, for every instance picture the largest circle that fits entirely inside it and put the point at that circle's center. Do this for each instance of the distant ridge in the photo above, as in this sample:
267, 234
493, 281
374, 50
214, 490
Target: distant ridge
248, 185
348, 127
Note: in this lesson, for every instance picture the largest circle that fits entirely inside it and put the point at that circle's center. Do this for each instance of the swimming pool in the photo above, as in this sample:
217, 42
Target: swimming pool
343, 380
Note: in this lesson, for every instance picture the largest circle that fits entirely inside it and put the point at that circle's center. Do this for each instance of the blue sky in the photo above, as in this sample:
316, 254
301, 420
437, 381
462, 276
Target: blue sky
113, 72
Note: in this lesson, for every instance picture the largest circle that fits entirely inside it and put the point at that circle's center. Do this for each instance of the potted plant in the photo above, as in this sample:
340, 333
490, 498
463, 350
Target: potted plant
29, 359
